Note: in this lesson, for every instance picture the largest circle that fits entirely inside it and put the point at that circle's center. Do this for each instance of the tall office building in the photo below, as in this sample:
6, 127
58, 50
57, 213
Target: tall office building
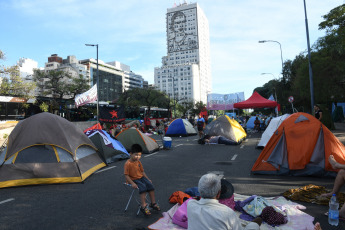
185, 74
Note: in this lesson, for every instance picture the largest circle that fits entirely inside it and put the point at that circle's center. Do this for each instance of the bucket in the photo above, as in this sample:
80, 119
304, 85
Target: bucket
167, 142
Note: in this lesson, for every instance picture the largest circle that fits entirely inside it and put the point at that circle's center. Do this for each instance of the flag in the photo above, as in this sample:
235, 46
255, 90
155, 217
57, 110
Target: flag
111, 114
87, 97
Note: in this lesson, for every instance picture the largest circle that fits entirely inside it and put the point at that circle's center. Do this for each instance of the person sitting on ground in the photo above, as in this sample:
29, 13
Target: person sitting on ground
135, 175
218, 140
257, 124
338, 183
208, 213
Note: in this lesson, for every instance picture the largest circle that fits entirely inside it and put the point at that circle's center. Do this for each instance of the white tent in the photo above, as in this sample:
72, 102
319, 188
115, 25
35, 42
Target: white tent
272, 127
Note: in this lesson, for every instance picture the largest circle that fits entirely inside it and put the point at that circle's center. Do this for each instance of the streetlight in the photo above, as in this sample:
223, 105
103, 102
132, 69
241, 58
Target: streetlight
97, 80
309, 60
281, 53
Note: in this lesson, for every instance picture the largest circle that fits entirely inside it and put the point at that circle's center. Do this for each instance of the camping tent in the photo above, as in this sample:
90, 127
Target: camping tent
131, 136
273, 126
300, 147
255, 101
250, 123
96, 126
226, 127
45, 149
109, 148
180, 127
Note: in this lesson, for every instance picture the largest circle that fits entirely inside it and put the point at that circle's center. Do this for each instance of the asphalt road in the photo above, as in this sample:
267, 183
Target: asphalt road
99, 202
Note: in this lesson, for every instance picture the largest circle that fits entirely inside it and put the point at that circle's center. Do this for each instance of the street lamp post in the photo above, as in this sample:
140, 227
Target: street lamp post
309, 61
281, 52
97, 80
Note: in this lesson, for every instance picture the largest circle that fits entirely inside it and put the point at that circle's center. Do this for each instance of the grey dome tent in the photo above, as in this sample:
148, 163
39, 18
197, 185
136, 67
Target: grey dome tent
47, 149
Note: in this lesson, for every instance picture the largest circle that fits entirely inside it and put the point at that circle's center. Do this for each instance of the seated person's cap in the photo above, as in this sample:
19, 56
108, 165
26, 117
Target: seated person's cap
227, 190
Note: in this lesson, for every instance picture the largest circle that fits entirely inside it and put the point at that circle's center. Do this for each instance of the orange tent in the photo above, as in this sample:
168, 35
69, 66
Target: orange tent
96, 126
300, 147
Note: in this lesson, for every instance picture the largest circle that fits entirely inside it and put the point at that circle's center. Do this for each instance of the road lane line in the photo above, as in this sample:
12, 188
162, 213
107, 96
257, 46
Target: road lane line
105, 169
5, 201
234, 157
241, 146
178, 145
151, 154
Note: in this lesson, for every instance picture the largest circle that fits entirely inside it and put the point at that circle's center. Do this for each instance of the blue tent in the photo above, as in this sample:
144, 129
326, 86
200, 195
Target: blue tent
109, 148
180, 127
250, 122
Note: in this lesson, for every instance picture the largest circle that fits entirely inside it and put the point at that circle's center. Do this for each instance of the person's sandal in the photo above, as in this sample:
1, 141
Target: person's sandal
155, 206
145, 210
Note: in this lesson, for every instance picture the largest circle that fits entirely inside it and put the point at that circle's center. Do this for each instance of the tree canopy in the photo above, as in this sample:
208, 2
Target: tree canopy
328, 64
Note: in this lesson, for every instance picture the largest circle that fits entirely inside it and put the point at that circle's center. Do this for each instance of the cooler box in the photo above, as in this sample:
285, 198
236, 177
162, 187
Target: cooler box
167, 142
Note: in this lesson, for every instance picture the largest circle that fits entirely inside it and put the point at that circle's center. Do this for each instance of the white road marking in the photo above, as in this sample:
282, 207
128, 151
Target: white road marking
5, 201
151, 154
178, 145
241, 146
234, 157
105, 169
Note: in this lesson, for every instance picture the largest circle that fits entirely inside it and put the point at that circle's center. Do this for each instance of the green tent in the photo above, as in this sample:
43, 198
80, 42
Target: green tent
131, 136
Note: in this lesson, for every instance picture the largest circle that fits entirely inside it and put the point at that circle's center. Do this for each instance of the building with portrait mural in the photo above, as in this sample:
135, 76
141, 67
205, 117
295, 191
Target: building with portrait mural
185, 74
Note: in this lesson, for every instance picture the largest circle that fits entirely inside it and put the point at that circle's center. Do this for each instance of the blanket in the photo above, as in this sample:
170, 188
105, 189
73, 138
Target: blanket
311, 194
296, 218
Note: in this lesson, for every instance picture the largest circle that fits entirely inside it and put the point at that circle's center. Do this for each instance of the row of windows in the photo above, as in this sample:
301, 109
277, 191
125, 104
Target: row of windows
174, 70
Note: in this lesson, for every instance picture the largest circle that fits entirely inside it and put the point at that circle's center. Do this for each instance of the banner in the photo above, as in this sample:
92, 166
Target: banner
223, 101
111, 114
87, 97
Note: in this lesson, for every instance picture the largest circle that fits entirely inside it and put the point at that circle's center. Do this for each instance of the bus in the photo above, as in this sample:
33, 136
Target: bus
155, 113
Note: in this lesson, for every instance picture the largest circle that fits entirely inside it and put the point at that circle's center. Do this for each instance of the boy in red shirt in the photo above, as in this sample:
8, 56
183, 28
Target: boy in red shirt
135, 175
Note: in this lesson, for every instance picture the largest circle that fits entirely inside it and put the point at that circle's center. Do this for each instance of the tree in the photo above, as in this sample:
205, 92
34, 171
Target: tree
198, 107
12, 84
59, 85
184, 106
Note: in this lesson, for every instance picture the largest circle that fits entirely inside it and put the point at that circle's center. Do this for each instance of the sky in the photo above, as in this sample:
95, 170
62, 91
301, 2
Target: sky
134, 33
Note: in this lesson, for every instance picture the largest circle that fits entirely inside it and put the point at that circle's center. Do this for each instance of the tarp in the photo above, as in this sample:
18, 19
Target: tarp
226, 127
271, 128
131, 136
180, 127
109, 148
255, 101
300, 146
45, 149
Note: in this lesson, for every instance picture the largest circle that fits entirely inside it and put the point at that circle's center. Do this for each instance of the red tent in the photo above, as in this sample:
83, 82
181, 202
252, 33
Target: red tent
255, 101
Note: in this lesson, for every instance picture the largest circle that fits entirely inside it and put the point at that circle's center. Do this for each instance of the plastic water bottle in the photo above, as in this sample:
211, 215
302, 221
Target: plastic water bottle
333, 212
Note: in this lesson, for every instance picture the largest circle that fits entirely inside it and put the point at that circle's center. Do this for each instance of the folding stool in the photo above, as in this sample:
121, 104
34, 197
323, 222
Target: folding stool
137, 199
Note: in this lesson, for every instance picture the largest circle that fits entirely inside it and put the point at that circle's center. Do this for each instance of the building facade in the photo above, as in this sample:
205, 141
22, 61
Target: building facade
185, 74
110, 79
130, 80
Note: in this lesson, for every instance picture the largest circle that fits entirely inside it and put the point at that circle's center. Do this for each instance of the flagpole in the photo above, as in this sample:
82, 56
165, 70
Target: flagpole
97, 80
